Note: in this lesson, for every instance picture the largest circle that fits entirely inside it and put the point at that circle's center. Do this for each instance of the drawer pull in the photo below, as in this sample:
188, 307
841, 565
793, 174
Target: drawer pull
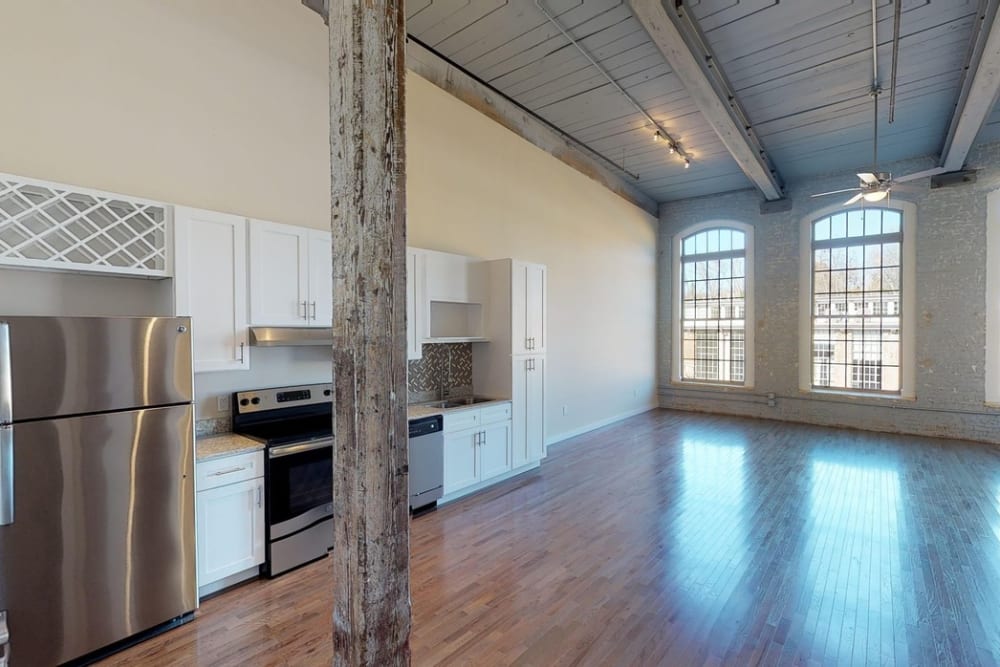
228, 471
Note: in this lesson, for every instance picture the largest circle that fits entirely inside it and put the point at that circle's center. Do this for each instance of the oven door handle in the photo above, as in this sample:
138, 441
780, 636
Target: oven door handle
288, 450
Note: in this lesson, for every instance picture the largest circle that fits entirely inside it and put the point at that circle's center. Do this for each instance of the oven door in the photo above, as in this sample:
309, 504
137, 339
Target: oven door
299, 487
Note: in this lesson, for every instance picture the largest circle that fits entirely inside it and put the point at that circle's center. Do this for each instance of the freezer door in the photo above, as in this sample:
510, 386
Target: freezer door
78, 365
103, 540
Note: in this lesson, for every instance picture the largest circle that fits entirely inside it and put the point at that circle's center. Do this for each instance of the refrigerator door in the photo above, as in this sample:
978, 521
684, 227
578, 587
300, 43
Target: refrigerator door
78, 365
103, 540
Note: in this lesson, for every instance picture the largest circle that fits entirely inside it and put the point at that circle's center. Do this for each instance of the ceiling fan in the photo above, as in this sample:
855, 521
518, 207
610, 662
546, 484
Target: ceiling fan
874, 186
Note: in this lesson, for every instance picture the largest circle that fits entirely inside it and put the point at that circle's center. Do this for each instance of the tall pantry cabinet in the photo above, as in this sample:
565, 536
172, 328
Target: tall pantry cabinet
513, 364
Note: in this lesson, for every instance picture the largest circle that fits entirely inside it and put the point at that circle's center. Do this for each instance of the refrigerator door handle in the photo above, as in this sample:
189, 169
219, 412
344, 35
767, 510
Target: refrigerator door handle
6, 400
6, 477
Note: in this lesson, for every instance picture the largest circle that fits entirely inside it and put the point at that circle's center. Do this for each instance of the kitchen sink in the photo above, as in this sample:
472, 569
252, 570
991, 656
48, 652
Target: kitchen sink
457, 402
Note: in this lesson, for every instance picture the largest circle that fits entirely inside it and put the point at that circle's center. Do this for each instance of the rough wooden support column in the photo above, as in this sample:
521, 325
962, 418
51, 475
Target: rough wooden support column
371, 618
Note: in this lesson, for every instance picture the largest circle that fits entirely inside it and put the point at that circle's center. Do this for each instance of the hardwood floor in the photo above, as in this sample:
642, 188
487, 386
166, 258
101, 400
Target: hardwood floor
676, 539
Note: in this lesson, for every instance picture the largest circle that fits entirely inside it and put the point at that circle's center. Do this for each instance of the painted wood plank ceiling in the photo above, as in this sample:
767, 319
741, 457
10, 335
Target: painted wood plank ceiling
802, 71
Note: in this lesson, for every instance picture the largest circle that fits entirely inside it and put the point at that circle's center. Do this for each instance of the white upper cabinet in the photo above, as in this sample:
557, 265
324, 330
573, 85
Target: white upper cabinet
210, 286
290, 275
528, 305
455, 291
321, 278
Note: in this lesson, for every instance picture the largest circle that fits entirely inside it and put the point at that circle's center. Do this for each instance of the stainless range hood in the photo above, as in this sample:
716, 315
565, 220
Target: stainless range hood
290, 336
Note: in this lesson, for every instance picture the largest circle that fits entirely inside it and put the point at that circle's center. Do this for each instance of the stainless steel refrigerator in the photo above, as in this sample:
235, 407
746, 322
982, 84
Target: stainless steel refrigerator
97, 536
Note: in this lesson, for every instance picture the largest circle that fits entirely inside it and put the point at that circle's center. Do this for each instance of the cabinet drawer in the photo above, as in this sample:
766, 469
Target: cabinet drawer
461, 419
495, 413
229, 470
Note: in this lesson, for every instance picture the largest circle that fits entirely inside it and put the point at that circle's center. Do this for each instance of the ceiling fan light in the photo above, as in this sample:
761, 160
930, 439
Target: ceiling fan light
875, 195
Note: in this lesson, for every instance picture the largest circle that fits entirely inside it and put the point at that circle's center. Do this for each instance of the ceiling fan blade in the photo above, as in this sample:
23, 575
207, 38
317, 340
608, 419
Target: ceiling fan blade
835, 192
854, 199
868, 179
920, 174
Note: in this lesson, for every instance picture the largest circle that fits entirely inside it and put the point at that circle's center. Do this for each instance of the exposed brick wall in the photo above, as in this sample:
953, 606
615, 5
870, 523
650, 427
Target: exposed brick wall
950, 298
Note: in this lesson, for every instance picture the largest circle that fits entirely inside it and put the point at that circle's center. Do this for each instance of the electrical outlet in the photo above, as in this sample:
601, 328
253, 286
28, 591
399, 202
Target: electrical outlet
222, 403
565, 410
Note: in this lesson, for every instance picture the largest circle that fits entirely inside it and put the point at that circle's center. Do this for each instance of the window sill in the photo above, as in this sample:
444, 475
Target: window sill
846, 393
713, 386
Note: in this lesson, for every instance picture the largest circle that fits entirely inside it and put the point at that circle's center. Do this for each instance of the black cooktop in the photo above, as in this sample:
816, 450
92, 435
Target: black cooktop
284, 431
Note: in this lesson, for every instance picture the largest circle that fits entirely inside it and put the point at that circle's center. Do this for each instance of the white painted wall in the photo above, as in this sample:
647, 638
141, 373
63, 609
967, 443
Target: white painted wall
222, 105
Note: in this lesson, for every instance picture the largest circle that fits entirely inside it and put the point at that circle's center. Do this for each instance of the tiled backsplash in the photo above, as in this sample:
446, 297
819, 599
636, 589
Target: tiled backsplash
447, 365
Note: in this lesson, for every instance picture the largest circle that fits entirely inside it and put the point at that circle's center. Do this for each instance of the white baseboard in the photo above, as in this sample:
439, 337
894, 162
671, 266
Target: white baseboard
596, 425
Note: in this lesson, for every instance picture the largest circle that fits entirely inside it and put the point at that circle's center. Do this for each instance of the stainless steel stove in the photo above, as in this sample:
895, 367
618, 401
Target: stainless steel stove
296, 425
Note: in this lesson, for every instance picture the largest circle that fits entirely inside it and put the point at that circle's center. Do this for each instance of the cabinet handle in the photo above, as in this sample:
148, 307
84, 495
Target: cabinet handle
305, 310
242, 346
313, 310
228, 471
260, 496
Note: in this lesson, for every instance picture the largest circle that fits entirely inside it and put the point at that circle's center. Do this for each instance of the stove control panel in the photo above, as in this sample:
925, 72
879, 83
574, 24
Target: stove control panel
259, 400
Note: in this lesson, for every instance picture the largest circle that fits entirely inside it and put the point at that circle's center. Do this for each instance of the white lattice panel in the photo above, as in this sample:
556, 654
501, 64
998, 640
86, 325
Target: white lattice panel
46, 225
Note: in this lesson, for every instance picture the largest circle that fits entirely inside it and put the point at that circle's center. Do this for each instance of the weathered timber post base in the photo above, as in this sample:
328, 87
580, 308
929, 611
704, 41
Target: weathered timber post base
371, 617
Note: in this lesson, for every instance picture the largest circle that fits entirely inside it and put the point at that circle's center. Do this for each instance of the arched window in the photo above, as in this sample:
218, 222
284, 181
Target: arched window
857, 300
713, 341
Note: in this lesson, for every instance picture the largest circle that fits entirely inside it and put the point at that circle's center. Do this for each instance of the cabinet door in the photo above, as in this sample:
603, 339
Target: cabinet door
278, 274
230, 529
461, 460
528, 411
534, 307
534, 410
320, 279
494, 450
415, 304
210, 285
518, 309
447, 277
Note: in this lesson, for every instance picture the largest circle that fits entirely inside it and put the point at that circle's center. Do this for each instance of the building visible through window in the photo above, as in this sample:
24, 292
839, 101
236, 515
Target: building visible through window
713, 306
856, 297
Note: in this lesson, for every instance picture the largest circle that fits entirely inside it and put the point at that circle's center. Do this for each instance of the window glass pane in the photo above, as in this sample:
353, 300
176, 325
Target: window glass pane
855, 225
821, 259
701, 242
725, 268
890, 222
855, 257
838, 258
725, 240
738, 290
873, 222
890, 254
855, 281
873, 255
713, 240
821, 230
821, 282
838, 281
738, 263
890, 279
713, 269
701, 270
873, 280
739, 240
838, 226
688, 270
689, 245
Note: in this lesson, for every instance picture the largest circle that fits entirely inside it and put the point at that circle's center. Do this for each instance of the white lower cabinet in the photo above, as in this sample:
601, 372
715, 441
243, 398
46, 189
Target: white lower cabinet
230, 510
476, 454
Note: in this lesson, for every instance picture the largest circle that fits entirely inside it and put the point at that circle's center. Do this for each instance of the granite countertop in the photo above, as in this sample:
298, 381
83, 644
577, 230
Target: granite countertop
225, 444
417, 411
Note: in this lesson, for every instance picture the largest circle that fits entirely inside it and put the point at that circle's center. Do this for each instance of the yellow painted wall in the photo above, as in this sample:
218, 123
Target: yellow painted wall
222, 104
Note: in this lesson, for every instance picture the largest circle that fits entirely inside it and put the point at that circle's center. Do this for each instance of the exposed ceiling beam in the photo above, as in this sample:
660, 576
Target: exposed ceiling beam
686, 51
980, 90
500, 108
487, 100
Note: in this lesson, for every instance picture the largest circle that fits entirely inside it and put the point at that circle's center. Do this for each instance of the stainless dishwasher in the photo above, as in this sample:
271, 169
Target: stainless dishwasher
426, 446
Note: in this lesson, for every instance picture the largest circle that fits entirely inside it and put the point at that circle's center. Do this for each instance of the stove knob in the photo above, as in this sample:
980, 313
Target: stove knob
244, 402
326, 392
255, 400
